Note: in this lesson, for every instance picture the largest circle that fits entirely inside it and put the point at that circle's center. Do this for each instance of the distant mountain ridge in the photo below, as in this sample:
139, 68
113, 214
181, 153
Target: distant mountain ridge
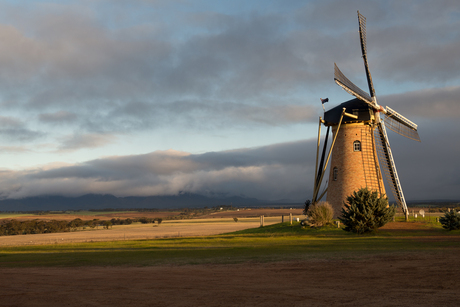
108, 201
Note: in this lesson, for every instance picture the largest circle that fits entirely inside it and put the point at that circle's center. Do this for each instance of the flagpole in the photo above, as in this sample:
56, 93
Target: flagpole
323, 101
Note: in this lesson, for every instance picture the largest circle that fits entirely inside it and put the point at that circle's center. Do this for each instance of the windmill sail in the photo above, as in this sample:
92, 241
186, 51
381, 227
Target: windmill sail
388, 165
362, 36
350, 87
401, 125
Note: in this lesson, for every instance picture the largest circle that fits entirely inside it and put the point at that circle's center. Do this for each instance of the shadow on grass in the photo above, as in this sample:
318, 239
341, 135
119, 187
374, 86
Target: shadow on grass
278, 242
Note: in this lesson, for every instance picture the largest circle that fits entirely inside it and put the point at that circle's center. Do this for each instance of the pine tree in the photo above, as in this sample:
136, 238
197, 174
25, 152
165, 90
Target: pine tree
450, 220
365, 211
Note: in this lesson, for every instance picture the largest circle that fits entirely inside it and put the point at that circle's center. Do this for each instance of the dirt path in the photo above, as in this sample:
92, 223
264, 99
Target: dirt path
425, 279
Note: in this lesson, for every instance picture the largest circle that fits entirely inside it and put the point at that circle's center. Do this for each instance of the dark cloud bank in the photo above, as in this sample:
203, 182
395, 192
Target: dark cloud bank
428, 171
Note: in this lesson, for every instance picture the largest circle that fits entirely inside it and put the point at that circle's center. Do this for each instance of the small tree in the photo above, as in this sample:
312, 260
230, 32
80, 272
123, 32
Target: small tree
450, 220
365, 211
306, 206
235, 219
145, 220
320, 214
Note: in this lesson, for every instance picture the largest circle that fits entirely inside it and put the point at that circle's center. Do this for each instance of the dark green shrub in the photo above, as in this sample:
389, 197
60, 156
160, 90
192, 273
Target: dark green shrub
320, 214
365, 211
146, 220
306, 206
450, 220
235, 219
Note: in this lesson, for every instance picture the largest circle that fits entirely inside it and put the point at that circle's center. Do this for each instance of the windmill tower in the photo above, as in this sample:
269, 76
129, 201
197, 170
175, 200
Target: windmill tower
360, 151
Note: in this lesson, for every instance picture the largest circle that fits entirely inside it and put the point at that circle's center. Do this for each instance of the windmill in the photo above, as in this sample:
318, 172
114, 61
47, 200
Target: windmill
360, 148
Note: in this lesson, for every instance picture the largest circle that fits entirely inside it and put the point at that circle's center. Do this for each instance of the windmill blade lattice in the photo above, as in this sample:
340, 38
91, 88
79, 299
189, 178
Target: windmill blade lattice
362, 36
350, 87
388, 165
401, 125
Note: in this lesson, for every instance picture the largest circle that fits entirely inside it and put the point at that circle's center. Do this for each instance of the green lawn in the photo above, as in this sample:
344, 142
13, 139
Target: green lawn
277, 242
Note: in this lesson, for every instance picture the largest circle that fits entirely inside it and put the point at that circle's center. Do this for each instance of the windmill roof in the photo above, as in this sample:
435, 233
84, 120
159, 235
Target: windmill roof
354, 106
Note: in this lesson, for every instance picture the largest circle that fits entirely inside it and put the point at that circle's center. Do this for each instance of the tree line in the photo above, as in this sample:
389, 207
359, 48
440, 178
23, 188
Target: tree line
15, 227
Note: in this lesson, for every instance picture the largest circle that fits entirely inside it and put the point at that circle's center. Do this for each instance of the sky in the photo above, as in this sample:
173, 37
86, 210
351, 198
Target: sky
139, 97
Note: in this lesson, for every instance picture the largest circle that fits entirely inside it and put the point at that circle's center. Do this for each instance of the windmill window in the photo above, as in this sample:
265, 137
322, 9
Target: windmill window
335, 173
356, 146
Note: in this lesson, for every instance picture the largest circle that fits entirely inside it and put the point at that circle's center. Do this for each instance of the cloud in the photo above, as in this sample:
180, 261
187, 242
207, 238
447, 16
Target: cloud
58, 117
406, 42
135, 72
272, 172
10, 122
14, 149
279, 171
15, 130
429, 170
79, 141
96, 80
434, 103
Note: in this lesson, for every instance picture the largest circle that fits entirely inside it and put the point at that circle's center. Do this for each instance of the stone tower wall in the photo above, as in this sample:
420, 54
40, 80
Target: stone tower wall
355, 169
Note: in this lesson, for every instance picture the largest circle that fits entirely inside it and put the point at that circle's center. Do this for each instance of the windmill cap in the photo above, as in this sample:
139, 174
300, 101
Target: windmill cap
354, 106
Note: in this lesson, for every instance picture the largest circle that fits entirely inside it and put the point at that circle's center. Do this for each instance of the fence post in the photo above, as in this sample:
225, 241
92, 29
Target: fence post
282, 218
290, 218
261, 221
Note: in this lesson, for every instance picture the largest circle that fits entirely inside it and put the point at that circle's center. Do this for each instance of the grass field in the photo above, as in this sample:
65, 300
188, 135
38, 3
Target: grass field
13, 215
278, 242
98, 212
87, 215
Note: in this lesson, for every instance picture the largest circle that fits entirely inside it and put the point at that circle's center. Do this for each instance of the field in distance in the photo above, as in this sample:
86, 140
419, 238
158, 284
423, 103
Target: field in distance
189, 222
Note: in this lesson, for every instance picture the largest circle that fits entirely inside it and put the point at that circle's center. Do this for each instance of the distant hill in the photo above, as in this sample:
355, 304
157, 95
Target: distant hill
434, 203
182, 200
99, 202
